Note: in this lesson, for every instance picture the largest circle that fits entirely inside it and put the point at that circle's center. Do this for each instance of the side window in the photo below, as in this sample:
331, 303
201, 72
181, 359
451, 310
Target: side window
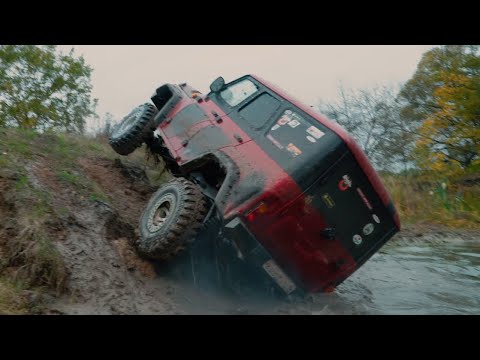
295, 136
238, 92
260, 110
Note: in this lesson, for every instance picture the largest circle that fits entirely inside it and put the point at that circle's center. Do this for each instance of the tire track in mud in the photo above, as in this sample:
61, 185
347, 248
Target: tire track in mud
100, 280
105, 274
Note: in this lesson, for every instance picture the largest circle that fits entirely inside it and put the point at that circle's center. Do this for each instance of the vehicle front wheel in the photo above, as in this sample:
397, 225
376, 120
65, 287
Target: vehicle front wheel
171, 220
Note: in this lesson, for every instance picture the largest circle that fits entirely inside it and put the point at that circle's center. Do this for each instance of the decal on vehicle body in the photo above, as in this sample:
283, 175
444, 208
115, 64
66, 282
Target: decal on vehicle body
295, 151
283, 120
357, 239
345, 183
327, 199
368, 229
293, 123
315, 132
364, 198
275, 142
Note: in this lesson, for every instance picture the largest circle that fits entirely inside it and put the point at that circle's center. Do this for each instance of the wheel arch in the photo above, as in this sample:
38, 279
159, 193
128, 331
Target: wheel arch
220, 166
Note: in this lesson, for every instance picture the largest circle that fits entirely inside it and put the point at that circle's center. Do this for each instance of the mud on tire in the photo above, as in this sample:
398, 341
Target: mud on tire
171, 220
135, 128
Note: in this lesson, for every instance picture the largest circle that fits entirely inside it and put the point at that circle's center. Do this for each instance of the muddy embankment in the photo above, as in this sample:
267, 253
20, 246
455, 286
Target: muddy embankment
100, 272
106, 275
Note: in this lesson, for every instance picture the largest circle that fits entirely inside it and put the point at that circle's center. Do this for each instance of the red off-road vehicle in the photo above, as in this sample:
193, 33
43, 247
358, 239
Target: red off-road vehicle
286, 188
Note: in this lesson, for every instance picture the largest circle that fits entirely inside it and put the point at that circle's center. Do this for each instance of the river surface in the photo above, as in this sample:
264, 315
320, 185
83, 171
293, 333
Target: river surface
404, 278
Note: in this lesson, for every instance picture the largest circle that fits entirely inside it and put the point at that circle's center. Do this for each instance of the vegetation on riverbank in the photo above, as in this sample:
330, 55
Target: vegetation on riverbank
447, 201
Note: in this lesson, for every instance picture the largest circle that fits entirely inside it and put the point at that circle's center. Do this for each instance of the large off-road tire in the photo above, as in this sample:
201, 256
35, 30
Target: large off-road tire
171, 220
135, 128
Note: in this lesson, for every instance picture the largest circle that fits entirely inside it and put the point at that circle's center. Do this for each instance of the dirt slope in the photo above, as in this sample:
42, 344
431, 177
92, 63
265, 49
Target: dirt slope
106, 276
86, 210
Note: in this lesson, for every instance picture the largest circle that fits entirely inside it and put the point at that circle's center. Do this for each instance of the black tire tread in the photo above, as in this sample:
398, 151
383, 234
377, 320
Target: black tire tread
138, 134
185, 226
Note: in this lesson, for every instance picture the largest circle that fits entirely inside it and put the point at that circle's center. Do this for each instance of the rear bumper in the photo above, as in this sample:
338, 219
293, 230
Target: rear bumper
255, 255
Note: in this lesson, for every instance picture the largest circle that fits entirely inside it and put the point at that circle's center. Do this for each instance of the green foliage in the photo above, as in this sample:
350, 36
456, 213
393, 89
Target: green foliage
69, 177
99, 196
11, 300
420, 200
22, 182
41, 89
443, 98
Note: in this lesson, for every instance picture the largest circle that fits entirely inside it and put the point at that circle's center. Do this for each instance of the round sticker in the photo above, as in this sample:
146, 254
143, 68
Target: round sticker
368, 229
376, 218
357, 239
311, 139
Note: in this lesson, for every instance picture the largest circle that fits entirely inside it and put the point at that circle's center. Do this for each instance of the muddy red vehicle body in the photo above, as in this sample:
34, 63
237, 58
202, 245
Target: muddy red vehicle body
294, 193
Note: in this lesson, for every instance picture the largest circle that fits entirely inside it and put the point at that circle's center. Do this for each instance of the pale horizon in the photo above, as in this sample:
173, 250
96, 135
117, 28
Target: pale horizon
125, 76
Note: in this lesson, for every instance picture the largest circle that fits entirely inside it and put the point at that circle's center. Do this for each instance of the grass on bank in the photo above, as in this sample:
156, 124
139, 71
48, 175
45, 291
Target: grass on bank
447, 202
28, 257
11, 299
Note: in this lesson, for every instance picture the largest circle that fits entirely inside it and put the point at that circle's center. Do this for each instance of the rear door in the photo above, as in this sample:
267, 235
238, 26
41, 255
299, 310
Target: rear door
349, 204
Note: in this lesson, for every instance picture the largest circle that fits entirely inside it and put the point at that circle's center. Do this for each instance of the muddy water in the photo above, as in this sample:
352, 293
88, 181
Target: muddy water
417, 279
406, 277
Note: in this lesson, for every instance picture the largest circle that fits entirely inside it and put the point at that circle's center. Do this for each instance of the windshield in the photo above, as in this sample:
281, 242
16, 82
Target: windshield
236, 93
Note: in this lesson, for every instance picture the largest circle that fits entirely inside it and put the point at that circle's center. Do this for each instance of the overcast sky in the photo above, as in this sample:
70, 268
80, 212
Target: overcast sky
126, 75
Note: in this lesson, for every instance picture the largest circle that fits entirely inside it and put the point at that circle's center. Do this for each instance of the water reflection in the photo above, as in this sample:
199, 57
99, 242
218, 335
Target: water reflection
429, 279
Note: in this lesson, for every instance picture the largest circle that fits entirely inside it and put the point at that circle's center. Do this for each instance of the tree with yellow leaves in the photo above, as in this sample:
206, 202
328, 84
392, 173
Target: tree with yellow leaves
443, 98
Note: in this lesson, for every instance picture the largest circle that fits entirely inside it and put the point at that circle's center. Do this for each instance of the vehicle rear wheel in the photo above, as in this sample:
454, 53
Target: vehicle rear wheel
135, 128
171, 220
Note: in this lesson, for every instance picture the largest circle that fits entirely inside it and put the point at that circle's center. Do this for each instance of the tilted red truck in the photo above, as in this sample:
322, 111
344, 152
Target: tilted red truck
289, 190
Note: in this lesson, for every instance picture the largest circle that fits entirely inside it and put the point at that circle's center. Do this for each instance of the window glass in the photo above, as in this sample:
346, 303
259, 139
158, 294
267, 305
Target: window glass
294, 135
238, 92
257, 112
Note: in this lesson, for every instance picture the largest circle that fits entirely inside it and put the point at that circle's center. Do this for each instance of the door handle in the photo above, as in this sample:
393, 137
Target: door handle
238, 138
218, 118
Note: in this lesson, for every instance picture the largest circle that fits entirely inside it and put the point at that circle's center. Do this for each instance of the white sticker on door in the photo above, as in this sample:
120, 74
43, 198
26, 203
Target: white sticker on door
315, 132
293, 123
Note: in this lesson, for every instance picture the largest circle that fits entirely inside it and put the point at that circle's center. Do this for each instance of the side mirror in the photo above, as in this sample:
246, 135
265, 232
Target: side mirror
217, 85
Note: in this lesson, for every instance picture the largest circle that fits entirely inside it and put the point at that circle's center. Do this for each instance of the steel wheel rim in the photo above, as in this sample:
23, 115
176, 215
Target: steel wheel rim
127, 123
161, 213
